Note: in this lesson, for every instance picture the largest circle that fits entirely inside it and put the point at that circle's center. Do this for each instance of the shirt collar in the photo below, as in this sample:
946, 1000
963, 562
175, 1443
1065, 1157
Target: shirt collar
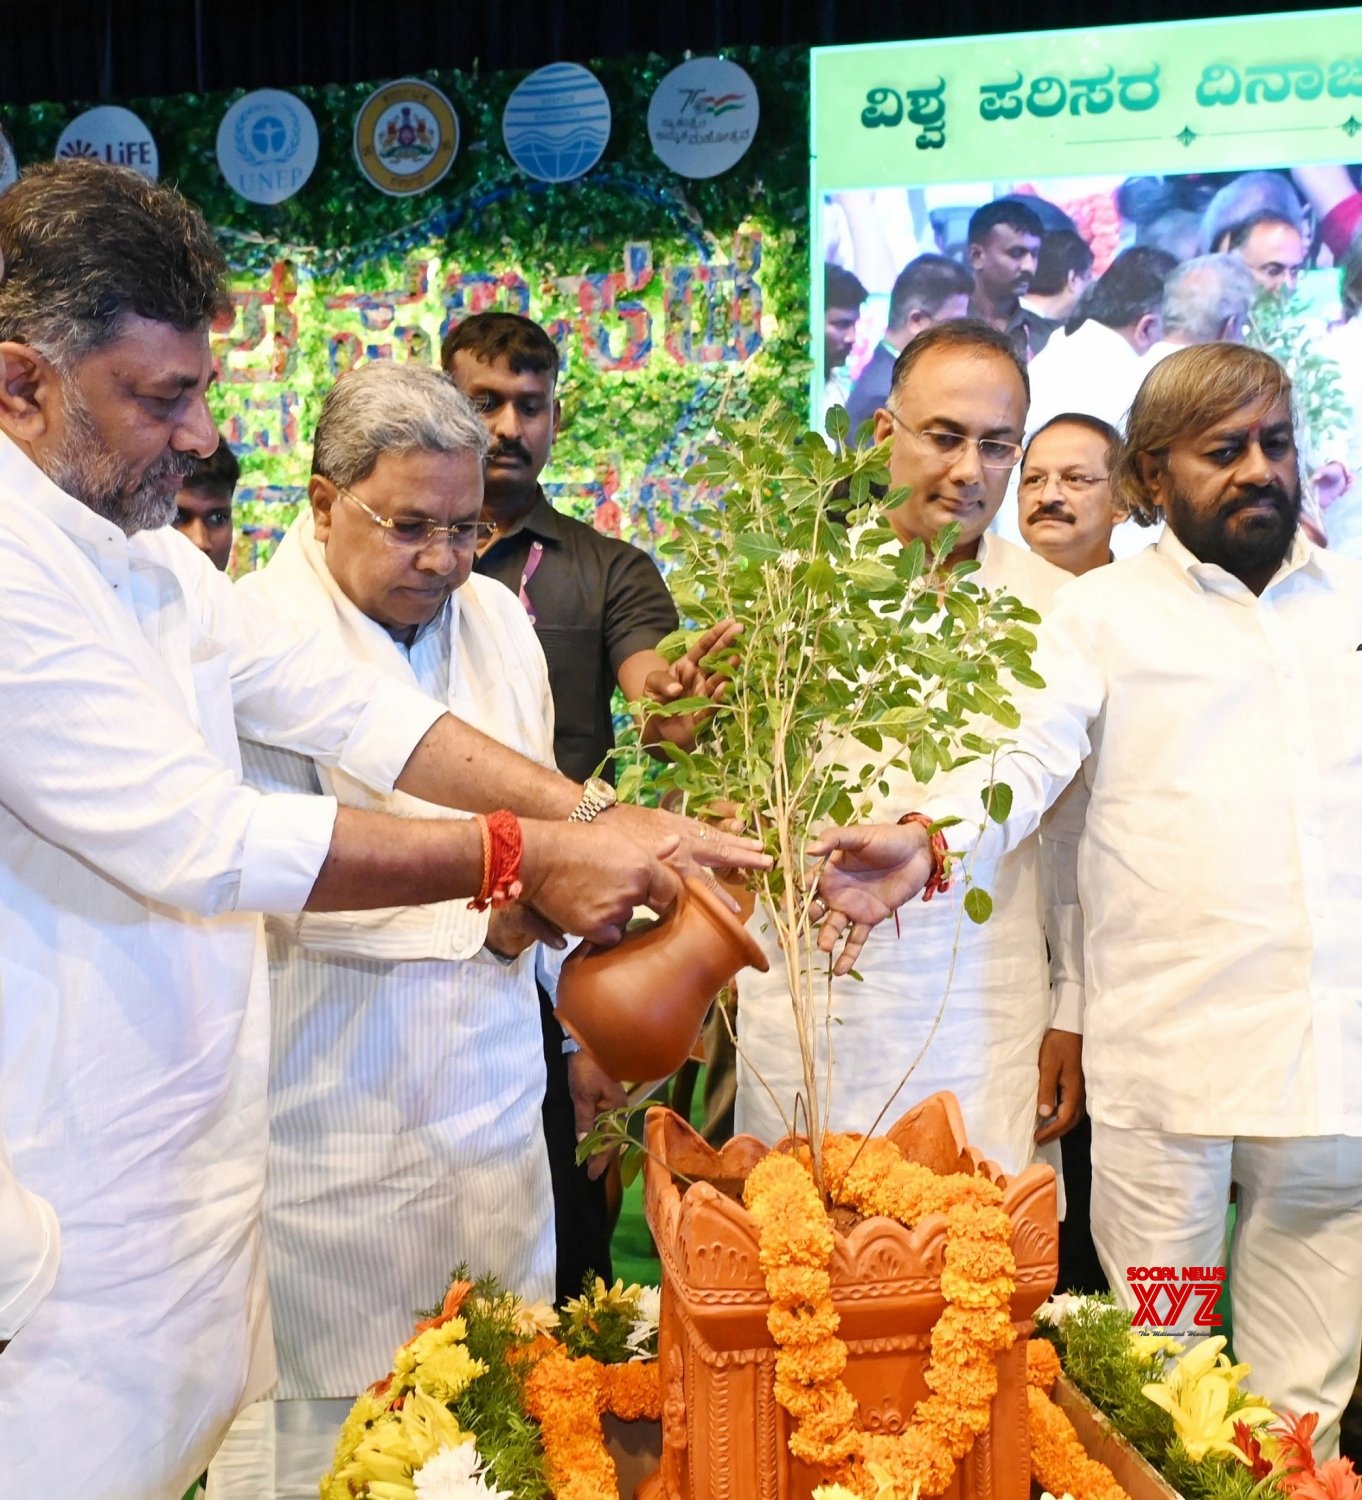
540, 520
101, 541
1211, 578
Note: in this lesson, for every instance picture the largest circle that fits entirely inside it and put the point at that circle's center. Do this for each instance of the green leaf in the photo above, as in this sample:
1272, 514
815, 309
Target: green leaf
978, 904
757, 547
922, 761
997, 801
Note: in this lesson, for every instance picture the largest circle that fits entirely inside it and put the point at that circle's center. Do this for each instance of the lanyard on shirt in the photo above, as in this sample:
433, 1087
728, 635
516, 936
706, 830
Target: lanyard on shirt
531, 563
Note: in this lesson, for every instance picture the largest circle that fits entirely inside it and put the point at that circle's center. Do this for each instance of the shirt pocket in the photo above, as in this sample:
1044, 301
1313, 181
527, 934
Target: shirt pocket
214, 707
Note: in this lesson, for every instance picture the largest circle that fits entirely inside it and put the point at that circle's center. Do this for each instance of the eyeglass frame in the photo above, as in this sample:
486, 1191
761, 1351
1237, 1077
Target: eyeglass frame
963, 441
1076, 484
475, 531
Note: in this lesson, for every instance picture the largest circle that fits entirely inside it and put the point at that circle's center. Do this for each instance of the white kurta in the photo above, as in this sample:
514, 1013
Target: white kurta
133, 1069
407, 1073
986, 1046
1221, 857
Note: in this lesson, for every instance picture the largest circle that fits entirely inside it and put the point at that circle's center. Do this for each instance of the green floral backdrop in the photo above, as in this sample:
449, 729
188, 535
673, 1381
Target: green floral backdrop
672, 301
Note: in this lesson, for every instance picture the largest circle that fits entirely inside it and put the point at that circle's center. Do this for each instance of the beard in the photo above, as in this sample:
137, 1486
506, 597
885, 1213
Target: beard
1245, 546
83, 465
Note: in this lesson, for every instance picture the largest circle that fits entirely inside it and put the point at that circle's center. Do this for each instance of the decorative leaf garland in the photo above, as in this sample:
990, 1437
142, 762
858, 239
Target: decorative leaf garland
486, 215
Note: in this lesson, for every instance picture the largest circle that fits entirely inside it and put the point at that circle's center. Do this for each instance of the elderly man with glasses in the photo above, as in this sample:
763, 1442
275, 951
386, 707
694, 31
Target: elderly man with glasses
407, 1071
956, 412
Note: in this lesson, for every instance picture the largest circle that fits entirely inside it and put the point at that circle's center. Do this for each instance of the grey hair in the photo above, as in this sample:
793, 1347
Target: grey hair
85, 246
1202, 295
392, 408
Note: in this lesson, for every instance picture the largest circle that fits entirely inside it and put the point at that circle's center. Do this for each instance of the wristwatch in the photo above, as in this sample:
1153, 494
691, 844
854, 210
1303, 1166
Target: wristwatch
597, 795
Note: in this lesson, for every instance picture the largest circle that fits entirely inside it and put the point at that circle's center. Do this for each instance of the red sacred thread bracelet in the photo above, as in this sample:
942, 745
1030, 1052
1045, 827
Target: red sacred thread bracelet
502, 847
940, 878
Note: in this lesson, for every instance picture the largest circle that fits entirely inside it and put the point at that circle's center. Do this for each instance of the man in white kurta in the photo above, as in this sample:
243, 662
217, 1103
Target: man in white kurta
407, 1070
133, 861
956, 413
1215, 681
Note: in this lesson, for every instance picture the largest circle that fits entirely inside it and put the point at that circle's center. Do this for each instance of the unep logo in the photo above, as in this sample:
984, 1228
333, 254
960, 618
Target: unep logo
267, 145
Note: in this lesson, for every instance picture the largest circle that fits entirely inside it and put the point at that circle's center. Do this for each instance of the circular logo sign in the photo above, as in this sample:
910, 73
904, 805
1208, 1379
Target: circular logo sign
9, 165
113, 134
405, 137
267, 146
557, 122
703, 116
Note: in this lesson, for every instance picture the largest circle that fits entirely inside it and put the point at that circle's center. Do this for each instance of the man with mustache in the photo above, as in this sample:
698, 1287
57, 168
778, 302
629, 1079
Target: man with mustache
134, 863
955, 416
1003, 246
1065, 506
1216, 680
599, 607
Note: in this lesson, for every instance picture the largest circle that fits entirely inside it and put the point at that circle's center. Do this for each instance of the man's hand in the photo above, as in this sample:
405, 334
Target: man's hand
593, 1092
695, 847
1331, 481
869, 871
511, 929
687, 678
1060, 1096
588, 877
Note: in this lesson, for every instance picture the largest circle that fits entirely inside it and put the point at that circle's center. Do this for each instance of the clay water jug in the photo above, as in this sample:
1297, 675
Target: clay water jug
638, 1007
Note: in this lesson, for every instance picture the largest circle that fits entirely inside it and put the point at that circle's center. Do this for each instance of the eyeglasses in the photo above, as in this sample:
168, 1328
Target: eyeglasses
1034, 482
417, 533
994, 453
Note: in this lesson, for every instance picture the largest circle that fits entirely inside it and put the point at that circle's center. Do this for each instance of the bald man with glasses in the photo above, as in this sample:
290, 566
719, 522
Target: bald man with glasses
955, 413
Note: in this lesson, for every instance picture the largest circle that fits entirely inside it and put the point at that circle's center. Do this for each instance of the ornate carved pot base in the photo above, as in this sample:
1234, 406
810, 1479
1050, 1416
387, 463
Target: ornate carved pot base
723, 1435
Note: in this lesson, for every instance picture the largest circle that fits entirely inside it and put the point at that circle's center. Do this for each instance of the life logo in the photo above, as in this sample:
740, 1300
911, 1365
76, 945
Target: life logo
1163, 1297
267, 145
112, 134
703, 116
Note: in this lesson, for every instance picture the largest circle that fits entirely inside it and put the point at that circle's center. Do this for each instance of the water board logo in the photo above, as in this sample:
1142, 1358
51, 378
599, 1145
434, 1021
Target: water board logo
703, 116
9, 165
267, 146
557, 122
110, 134
406, 136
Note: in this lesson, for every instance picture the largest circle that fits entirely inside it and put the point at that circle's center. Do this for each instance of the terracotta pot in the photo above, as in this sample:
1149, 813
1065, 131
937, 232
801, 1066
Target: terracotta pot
723, 1435
638, 1007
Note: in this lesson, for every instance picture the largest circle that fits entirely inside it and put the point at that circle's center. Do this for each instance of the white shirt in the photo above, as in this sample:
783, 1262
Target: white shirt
133, 1070
986, 1045
1092, 370
407, 1066
1220, 865
30, 1248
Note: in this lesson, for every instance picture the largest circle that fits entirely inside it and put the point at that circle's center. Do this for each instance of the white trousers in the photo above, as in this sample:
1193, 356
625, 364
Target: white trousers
277, 1450
1295, 1262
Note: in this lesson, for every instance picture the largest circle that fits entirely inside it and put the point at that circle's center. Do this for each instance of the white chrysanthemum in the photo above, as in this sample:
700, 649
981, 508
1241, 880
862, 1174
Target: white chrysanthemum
456, 1474
643, 1331
1061, 1306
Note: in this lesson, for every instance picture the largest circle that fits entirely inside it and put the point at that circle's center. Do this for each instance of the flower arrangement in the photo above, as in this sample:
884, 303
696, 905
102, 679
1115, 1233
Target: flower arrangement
1188, 1413
796, 1245
495, 1399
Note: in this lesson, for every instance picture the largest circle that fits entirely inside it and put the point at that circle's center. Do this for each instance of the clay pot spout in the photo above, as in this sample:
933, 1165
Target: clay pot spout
638, 1007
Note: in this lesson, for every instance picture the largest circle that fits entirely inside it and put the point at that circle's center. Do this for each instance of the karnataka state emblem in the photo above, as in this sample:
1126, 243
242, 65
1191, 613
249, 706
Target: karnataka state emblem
406, 137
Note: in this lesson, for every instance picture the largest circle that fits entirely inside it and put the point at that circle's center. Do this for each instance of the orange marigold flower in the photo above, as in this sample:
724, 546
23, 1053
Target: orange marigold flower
1042, 1365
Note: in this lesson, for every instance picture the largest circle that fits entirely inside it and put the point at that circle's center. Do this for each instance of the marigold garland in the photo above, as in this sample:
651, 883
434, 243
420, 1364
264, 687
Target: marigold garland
796, 1243
1058, 1462
567, 1396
